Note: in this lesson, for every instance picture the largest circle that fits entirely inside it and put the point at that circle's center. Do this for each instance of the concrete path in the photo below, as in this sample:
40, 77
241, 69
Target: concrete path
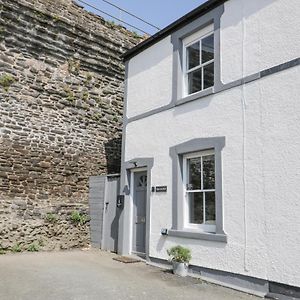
89, 275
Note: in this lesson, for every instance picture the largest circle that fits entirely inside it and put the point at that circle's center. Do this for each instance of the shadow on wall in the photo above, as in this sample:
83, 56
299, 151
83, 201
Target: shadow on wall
113, 150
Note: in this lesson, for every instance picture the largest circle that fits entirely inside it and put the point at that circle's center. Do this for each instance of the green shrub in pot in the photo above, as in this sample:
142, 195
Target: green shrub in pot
180, 258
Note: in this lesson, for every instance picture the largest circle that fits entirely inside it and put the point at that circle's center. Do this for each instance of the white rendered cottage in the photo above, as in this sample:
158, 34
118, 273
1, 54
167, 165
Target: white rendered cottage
211, 146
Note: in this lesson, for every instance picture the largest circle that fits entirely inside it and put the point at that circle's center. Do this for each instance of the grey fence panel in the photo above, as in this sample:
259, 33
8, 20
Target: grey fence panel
96, 203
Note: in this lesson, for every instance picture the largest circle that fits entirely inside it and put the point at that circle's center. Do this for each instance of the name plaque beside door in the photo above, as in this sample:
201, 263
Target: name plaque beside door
161, 189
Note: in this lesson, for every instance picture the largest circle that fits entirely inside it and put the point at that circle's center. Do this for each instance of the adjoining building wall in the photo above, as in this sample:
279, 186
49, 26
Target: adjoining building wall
61, 101
261, 160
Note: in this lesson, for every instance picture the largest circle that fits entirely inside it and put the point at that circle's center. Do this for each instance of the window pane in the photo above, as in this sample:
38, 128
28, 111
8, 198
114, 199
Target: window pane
207, 48
196, 207
194, 169
210, 208
193, 56
194, 79
208, 172
208, 76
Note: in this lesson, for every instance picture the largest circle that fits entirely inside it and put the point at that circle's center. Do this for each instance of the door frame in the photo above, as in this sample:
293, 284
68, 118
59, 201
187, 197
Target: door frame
132, 193
126, 218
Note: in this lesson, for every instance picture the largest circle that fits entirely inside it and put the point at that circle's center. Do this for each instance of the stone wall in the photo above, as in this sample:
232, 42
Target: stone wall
61, 101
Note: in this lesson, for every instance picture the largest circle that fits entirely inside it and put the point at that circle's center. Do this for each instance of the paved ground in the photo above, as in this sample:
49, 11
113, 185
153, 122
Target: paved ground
91, 275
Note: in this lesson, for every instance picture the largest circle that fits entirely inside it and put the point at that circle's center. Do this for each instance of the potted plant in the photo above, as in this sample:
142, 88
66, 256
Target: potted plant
180, 258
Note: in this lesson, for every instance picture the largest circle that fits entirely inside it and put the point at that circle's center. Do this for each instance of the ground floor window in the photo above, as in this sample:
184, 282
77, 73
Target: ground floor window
199, 190
197, 210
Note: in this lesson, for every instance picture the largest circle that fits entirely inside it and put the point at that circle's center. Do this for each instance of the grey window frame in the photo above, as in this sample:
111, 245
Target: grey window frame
212, 17
177, 152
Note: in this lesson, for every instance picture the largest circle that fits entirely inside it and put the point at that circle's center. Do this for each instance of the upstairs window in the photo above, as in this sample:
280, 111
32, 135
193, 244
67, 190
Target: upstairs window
199, 61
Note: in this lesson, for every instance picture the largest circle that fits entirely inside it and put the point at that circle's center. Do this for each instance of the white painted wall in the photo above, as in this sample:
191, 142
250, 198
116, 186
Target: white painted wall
150, 73
257, 35
261, 218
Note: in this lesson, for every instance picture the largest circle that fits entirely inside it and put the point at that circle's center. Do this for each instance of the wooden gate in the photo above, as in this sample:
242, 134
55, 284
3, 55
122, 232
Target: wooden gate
104, 213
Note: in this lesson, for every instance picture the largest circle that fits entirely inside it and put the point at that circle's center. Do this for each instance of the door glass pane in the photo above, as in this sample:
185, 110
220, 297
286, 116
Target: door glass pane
142, 181
210, 208
193, 55
194, 81
208, 79
194, 173
196, 208
207, 48
208, 172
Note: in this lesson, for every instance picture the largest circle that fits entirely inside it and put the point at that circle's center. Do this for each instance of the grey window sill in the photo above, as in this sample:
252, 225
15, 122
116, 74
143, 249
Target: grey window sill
195, 96
198, 235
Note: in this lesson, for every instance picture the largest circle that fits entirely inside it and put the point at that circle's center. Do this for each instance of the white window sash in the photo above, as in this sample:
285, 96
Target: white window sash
199, 153
187, 225
200, 66
207, 30
186, 43
200, 191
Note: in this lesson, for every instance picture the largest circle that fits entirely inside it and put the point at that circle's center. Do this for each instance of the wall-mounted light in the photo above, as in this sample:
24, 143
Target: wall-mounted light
134, 163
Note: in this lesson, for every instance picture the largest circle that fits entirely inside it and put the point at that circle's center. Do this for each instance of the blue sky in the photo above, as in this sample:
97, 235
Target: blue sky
158, 12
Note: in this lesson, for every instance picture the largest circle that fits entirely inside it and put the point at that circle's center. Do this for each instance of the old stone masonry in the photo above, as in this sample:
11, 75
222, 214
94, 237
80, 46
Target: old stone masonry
61, 100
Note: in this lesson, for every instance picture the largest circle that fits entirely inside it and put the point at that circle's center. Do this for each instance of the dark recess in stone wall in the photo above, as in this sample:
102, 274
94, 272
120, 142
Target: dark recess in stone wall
61, 102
